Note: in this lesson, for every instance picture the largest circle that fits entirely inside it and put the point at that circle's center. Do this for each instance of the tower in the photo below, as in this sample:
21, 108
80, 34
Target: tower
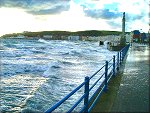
123, 25
123, 40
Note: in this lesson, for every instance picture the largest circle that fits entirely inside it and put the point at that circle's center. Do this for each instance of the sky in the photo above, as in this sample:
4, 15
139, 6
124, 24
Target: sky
17, 16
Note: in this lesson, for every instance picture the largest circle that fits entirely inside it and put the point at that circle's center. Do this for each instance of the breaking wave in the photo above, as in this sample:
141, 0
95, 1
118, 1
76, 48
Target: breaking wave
35, 72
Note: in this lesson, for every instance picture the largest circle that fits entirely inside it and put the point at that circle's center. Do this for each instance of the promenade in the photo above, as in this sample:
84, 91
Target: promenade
129, 90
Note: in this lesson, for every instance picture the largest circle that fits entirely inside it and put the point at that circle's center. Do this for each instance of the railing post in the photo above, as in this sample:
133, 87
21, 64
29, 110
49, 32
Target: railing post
106, 71
86, 91
124, 53
118, 61
120, 56
114, 66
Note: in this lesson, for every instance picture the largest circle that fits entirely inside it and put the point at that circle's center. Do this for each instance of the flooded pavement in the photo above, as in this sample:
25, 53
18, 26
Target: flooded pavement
133, 93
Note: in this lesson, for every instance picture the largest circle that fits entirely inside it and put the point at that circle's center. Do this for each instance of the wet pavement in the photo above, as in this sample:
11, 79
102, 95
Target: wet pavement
133, 93
129, 91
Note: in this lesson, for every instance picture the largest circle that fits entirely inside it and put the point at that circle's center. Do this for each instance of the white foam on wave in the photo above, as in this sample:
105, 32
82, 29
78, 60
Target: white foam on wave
2, 46
43, 41
105, 43
23, 86
70, 59
50, 68
14, 52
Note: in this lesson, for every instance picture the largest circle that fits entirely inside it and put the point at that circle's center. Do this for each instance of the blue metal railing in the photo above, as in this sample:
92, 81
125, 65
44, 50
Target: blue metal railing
108, 70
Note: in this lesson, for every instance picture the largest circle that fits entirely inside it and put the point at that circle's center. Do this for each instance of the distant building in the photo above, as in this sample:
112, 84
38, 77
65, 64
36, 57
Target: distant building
136, 35
143, 37
26, 31
64, 37
73, 38
139, 37
84, 38
101, 38
128, 38
47, 36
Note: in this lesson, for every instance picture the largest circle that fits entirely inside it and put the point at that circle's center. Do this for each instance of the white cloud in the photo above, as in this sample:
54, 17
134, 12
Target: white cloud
75, 20
17, 20
137, 25
132, 6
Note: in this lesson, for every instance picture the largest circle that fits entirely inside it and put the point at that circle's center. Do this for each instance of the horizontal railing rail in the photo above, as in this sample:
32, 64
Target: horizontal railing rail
108, 70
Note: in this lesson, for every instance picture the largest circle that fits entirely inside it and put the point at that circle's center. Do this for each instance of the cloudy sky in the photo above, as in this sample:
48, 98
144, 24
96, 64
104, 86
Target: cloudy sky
72, 15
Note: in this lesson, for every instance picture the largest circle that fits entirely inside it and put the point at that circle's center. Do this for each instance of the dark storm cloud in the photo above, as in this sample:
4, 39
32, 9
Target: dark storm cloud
54, 10
102, 13
38, 7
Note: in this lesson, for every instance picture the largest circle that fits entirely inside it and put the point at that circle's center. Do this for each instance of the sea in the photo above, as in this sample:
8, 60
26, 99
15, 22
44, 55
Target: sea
37, 73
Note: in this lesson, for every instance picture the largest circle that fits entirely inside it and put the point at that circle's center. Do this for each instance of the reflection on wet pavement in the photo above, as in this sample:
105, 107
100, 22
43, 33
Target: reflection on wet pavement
133, 93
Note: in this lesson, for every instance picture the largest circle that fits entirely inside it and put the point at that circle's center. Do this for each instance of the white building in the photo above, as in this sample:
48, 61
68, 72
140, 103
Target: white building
73, 38
47, 36
128, 38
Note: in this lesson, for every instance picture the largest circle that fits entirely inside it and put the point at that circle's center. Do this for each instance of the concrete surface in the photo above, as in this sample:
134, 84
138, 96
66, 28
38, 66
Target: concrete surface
129, 90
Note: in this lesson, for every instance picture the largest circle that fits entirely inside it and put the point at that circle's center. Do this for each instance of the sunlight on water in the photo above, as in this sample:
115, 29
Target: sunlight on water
16, 90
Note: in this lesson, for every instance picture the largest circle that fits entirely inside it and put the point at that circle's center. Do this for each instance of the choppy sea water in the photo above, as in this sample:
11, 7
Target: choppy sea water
35, 74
